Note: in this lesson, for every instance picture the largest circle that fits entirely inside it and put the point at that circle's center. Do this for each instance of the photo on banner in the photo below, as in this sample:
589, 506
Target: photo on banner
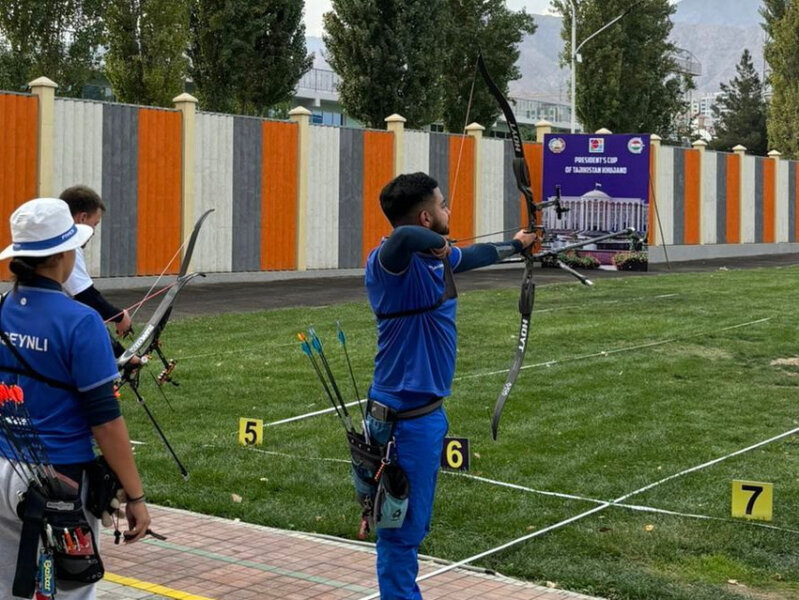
604, 182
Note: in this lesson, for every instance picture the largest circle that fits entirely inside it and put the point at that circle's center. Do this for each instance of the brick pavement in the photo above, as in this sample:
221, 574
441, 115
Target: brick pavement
208, 557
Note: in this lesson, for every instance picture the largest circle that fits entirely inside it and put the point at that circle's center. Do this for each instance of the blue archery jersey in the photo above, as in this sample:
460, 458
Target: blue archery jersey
415, 353
63, 340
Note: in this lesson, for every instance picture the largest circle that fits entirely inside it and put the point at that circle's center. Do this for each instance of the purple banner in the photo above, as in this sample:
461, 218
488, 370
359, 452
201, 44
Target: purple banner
604, 181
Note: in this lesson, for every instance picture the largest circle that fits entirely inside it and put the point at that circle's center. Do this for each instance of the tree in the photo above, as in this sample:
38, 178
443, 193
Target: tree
497, 31
247, 57
740, 112
627, 80
388, 55
147, 41
782, 54
58, 39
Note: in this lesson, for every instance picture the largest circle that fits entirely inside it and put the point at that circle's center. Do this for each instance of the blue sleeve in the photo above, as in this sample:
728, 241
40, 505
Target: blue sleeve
395, 254
482, 255
92, 361
100, 404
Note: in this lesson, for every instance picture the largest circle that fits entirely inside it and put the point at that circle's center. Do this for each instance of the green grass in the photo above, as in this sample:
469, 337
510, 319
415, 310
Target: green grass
597, 427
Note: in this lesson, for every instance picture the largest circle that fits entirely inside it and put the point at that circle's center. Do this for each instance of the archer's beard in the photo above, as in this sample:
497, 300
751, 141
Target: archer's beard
441, 228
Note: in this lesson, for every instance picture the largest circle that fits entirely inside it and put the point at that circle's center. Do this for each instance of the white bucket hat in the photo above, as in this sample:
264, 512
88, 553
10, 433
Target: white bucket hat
43, 227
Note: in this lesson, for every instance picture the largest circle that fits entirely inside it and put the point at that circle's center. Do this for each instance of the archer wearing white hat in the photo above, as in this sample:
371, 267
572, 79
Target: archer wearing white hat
58, 351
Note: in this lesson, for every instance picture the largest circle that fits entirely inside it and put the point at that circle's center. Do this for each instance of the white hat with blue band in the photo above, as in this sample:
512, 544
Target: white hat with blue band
43, 227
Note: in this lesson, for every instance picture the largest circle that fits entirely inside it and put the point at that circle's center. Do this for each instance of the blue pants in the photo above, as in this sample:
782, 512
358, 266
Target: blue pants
419, 443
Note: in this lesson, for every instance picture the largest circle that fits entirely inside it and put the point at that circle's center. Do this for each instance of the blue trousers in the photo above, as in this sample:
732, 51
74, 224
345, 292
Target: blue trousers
418, 443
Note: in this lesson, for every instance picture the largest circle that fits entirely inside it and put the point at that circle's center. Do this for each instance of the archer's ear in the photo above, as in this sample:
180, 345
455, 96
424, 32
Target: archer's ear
424, 219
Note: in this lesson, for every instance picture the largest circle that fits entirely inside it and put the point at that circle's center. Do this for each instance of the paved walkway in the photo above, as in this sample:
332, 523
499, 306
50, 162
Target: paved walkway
212, 558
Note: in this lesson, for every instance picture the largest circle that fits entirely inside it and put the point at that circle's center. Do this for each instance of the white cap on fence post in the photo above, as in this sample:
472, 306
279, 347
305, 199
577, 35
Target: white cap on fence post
187, 105
396, 124
542, 128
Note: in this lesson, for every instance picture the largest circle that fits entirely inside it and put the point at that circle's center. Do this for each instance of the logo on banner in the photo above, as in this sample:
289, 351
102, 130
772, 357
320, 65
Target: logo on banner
596, 145
635, 145
557, 145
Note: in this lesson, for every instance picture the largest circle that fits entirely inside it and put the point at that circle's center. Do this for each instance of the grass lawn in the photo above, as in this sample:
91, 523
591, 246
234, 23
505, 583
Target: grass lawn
625, 384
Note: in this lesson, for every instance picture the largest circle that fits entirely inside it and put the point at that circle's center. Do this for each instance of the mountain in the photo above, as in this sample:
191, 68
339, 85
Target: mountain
716, 32
542, 77
725, 13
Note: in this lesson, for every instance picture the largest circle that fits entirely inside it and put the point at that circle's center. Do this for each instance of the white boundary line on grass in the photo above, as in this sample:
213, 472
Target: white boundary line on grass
548, 363
635, 507
324, 411
287, 455
552, 363
529, 490
543, 310
620, 300
592, 511
237, 351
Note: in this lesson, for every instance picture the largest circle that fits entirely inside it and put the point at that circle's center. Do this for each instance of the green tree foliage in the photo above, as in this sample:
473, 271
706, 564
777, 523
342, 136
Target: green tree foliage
389, 56
627, 80
58, 39
740, 113
247, 57
497, 31
147, 41
782, 53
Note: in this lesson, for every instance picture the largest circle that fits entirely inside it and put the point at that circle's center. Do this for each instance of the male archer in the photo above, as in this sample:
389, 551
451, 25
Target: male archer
412, 293
87, 208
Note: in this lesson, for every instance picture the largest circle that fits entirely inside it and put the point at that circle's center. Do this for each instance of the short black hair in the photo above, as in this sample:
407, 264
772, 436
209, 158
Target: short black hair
82, 198
403, 194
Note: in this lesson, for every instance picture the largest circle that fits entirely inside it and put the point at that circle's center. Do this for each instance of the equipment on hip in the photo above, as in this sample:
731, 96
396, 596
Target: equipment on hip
50, 509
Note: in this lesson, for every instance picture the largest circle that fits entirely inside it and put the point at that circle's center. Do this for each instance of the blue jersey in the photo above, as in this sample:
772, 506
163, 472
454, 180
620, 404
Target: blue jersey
415, 353
63, 340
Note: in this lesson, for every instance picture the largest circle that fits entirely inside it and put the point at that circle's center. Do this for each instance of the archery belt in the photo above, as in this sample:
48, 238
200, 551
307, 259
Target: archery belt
69, 549
381, 486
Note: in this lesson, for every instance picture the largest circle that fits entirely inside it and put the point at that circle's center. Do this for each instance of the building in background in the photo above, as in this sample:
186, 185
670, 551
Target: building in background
596, 211
317, 91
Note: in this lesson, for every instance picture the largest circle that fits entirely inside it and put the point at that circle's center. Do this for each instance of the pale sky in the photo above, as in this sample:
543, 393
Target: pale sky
314, 9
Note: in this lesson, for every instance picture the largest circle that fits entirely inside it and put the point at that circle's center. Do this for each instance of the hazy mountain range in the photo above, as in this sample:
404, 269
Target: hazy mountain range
715, 31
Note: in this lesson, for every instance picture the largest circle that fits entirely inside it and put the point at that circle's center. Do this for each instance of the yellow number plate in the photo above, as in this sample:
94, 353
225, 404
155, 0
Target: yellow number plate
752, 500
251, 432
455, 454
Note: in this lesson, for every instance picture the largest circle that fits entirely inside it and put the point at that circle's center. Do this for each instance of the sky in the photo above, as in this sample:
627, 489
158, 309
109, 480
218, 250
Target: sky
314, 9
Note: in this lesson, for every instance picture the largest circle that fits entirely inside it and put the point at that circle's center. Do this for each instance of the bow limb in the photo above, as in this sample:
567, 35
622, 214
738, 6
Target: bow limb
149, 341
527, 296
149, 338
520, 169
184, 264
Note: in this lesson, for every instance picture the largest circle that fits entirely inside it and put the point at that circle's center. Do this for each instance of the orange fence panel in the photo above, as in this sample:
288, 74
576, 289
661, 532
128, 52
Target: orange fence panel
461, 182
768, 202
691, 202
279, 189
159, 200
18, 125
733, 199
378, 169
